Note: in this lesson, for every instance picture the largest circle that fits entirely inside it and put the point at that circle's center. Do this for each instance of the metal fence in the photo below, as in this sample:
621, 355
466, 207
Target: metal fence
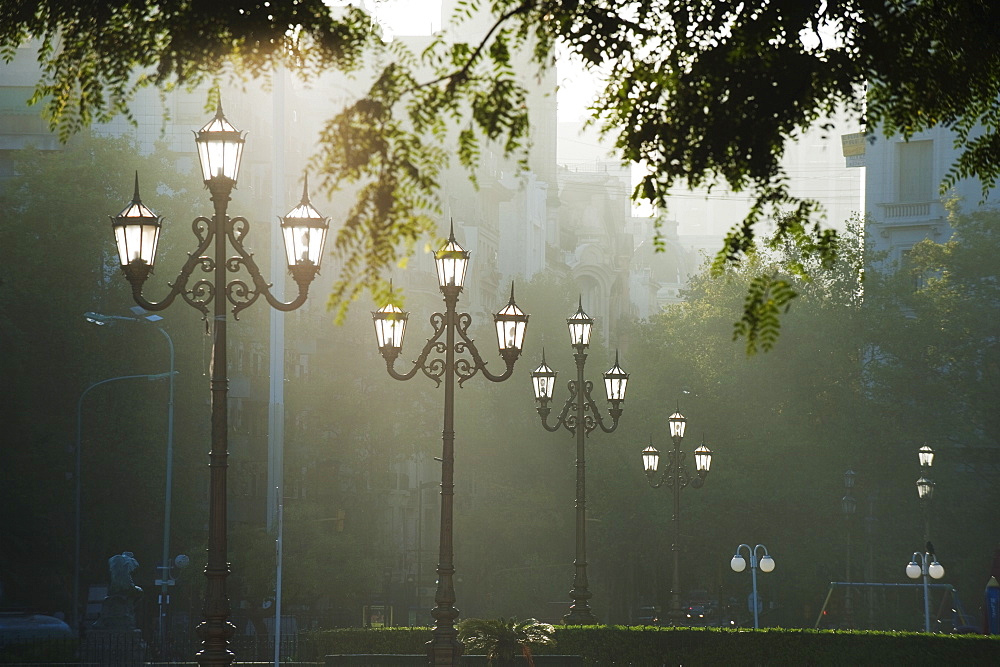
125, 650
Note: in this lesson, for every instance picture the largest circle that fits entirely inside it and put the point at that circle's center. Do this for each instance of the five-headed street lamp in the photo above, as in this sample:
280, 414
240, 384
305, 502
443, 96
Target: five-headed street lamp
766, 564
925, 486
390, 325
137, 230
926, 565
675, 477
579, 416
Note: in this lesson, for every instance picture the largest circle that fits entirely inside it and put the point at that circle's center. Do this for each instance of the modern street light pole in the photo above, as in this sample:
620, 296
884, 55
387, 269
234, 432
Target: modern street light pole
390, 326
766, 564
165, 580
579, 416
77, 617
137, 228
675, 476
925, 564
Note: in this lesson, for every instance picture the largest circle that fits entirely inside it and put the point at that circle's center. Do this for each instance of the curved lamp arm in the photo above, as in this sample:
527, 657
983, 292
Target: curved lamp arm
239, 293
200, 295
561, 421
434, 370
463, 369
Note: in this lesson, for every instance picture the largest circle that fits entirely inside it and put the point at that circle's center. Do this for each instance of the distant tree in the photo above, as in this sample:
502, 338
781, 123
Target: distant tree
932, 376
702, 92
783, 430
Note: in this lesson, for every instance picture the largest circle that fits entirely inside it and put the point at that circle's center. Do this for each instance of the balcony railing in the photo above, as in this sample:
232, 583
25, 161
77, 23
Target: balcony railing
908, 210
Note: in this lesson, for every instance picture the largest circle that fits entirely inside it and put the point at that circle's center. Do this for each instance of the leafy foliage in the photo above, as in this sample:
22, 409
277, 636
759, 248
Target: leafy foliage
703, 92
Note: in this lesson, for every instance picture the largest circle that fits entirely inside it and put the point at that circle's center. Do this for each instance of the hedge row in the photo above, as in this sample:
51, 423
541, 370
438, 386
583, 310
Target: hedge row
653, 646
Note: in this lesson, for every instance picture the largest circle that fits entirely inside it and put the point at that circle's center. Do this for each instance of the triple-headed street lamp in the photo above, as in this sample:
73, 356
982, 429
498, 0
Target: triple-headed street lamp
137, 230
390, 325
579, 416
764, 562
675, 477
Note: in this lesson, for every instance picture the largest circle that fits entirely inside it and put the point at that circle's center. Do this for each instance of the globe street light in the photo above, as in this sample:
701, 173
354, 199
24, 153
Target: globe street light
164, 581
137, 229
766, 564
926, 565
390, 326
580, 416
675, 477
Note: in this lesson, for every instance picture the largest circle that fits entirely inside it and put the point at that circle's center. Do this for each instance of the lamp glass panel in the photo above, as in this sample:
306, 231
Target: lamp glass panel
615, 383
703, 458
650, 459
926, 456
580, 328
304, 230
925, 488
451, 261
220, 148
543, 381
390, 325
137, 233
677, 425
511, 323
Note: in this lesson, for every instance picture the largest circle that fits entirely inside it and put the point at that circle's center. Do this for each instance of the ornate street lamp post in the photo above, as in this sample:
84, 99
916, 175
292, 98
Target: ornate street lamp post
925, 486
390, 325
579, 416
137, 229
675, 477
766, 564
925, 564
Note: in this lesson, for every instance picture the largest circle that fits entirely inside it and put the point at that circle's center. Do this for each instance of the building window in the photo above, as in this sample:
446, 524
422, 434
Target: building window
916, 182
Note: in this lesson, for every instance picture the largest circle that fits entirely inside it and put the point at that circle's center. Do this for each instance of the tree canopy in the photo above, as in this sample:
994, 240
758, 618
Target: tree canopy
701, 91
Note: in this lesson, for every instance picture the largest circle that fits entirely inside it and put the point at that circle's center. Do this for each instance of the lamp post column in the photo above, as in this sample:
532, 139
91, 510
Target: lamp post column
216, 630
675, 522
167, 497
444, 647
580, 612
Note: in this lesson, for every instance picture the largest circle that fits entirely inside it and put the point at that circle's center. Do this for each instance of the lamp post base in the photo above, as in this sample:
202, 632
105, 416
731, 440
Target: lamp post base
580, 617
444, 651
